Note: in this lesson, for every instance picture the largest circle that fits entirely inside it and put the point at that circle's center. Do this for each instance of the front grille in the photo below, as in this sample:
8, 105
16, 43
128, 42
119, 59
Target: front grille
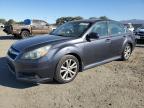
142, 37
28, 75
13, 53
141, 33
24, 74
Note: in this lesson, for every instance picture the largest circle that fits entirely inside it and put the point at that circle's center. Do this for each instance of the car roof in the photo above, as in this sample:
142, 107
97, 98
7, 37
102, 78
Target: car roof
91, 20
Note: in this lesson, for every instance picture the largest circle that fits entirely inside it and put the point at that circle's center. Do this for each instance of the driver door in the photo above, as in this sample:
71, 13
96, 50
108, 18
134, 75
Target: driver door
97, 50
45, 29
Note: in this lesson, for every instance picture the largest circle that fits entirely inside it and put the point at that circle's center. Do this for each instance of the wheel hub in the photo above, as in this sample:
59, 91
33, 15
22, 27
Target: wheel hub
127, 52
68, 69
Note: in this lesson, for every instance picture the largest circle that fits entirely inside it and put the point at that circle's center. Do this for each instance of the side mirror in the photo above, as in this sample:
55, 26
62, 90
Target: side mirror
92, 35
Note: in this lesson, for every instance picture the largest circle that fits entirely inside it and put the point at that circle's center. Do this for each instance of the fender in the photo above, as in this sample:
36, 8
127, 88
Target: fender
25, 29
69, 49
128, 40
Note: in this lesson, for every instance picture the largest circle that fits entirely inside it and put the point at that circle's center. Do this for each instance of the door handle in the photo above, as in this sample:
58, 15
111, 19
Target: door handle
108, 41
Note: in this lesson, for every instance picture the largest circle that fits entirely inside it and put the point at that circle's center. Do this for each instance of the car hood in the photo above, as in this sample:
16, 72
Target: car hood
141, 30
38, 40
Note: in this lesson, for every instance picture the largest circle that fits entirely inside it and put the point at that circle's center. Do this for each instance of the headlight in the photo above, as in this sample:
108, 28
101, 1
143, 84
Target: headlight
37, 53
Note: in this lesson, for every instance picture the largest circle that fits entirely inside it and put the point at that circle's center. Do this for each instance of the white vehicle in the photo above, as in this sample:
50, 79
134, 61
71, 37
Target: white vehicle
1, 25
130, 27
53, 27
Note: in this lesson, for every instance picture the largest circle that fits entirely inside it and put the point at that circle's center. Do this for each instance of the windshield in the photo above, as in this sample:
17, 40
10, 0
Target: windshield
71, 29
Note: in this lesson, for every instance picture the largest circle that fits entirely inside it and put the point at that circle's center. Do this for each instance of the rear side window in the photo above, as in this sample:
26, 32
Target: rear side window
43, 23
101, 28
36, 22
116, 28
39, 23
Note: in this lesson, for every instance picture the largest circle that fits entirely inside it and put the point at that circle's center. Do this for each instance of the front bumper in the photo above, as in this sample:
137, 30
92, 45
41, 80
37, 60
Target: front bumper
35, 72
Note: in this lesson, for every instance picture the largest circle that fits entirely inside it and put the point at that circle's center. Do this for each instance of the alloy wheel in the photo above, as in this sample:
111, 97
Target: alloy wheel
127, 52
68, 69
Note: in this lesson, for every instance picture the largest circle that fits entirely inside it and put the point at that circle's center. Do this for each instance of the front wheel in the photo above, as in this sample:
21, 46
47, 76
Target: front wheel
126, 52
67, 69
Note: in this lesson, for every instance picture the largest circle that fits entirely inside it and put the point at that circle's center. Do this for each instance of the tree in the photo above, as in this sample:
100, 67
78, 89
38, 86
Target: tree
3, 21
63, 20
77, 18
20, 22
93, 18
103, 18
10, 22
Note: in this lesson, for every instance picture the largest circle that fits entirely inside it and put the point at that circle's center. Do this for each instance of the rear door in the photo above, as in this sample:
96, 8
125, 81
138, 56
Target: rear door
45, 27
36, 27
98, 50
117, 33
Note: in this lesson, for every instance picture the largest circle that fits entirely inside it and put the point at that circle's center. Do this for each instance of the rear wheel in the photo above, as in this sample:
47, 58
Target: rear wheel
67, 69
25, 34
126, 52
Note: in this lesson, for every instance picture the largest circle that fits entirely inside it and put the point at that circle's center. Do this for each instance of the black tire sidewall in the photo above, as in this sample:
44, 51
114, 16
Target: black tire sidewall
57, 75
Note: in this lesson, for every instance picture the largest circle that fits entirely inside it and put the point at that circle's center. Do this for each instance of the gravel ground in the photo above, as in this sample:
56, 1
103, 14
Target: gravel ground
114, 85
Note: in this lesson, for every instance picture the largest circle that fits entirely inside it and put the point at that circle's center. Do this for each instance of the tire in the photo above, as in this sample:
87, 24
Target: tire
67, 69
126, 52
25, 34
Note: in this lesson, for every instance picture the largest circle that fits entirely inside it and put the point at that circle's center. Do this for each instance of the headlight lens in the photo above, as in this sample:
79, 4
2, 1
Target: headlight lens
37, 53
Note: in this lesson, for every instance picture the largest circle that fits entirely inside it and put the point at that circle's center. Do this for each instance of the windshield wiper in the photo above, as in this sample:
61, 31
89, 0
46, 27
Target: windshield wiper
59, 35
56, 34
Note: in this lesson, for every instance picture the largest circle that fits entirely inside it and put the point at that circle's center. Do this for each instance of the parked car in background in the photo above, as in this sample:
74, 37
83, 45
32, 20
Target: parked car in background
28, 28
130, 27
53, 27
71, 48
140, 33
1, 25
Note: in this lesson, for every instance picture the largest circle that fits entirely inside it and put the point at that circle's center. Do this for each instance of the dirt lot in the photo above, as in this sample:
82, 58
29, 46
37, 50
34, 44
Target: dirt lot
114, 85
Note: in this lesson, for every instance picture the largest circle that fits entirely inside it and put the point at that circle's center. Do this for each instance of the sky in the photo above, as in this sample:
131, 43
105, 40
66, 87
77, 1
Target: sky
50, 10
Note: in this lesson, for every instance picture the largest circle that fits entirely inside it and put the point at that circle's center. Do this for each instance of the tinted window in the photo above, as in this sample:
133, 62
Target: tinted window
101, 28
71, 29
43, 23
36, 22
116, 28
39, 23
